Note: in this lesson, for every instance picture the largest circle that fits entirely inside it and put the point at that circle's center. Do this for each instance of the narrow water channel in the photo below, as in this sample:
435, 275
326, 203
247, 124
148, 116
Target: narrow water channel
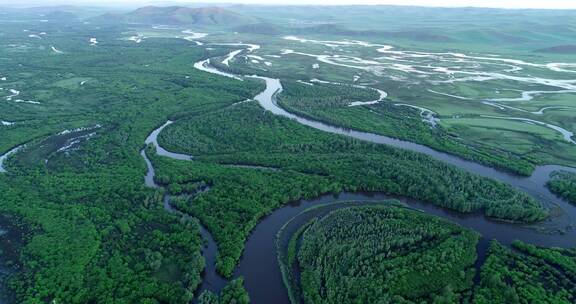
211, 280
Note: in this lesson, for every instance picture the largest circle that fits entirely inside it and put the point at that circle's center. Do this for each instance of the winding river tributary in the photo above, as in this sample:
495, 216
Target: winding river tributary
259, 265
211, 280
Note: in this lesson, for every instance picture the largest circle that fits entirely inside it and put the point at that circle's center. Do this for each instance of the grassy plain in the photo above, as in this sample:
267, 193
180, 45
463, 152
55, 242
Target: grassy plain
413, 69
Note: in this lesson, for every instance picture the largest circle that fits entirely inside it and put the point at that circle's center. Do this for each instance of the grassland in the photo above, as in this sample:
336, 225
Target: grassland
468, 91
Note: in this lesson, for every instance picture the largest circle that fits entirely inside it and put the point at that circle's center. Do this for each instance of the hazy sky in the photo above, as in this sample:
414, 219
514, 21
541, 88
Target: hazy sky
479, 3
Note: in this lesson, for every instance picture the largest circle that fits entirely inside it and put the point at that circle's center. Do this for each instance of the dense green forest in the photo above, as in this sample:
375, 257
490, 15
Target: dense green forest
237, 199
93, 232
99, 236
246, 134
325, 95
390, 254
310, 163
381, 254
527, 274
563, 183
317, 102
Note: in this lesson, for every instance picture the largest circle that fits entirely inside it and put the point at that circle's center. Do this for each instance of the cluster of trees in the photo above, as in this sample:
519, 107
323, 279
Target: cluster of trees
563, 183
233, 293
106, 238
324, 95
386, 254
374, 254
527, 274
310, 162
12, 233
318, 103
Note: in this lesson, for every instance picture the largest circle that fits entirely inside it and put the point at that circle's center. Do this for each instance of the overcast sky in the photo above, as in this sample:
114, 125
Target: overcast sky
565, 4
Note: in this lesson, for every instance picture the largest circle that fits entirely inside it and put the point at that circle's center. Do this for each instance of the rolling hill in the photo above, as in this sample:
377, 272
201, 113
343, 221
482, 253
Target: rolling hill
179, 15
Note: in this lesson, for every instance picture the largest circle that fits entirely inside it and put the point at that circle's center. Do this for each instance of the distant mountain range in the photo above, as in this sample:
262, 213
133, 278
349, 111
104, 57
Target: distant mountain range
179, 15
217, 16
334, 29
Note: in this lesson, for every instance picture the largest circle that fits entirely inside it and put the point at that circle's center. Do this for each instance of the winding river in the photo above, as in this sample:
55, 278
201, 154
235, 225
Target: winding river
259, 265
211, 280
5, 156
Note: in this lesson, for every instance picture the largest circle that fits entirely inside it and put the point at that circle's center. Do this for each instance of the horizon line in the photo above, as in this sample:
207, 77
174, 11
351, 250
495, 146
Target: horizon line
216, 4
